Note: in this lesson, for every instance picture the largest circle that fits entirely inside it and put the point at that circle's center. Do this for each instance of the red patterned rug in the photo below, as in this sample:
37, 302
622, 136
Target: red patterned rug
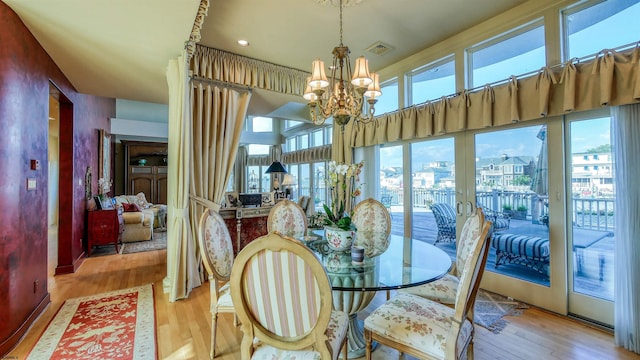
114, 325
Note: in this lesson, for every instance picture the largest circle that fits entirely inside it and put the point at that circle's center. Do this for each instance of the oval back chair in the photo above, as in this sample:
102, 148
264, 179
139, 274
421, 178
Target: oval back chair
287, 218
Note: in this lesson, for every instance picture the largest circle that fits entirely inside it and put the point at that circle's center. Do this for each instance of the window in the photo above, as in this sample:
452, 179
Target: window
291, 144
258, 149
261, 124
288, 124
595, 167
317, 138
586, 157
514, 53
593, 26
585, 168
303, 141
389, 100
432, 81
595, 157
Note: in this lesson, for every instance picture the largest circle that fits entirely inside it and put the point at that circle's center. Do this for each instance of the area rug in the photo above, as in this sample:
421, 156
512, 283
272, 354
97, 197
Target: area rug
491, 308
114, 325
158, 242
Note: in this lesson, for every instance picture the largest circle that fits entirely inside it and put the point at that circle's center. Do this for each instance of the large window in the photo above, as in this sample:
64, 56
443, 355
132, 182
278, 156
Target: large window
309, 138
590, 28
389, 100
514, 53
432, 81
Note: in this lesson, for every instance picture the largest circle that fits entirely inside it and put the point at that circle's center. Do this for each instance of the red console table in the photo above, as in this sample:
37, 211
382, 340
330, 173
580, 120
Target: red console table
104, 227
245, 224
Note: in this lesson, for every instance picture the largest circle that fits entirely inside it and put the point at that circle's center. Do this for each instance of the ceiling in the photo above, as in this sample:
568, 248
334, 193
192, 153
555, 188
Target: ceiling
121, 48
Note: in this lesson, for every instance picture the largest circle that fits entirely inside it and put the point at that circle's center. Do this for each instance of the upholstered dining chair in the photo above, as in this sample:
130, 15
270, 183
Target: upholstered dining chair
287, 218
284, 301
217, 256
444, 290
427, 329
373, 222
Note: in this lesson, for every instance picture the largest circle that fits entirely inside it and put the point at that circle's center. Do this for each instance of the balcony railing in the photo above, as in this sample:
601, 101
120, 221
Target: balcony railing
588, 213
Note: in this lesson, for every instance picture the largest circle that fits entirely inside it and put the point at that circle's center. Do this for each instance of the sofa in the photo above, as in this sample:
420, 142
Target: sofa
140, 217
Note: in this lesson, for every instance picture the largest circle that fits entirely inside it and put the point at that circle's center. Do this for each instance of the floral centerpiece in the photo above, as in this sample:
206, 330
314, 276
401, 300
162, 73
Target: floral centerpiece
104, 186
344, 183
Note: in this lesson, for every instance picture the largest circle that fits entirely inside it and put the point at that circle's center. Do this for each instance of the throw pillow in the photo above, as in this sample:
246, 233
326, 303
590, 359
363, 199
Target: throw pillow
142, 200
131, 207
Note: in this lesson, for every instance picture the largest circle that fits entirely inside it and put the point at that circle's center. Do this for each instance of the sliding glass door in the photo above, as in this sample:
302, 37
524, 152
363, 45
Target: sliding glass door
512, 186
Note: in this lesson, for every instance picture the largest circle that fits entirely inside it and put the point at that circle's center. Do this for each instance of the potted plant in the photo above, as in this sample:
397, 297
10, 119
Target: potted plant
344, 183
521, 213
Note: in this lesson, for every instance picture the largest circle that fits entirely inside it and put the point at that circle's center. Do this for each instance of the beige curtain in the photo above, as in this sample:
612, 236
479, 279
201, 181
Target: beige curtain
611, 78
223, 66
182, 266
240, 168
314, 154
218, 117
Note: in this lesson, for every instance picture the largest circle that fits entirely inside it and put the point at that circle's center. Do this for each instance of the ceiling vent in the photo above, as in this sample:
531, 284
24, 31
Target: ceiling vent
379, 48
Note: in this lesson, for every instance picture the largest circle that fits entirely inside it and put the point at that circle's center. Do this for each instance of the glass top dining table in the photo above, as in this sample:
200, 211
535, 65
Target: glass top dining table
390, 262
398, 263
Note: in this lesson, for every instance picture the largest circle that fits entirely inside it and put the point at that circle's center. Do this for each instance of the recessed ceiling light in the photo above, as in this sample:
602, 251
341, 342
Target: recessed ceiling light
243, 42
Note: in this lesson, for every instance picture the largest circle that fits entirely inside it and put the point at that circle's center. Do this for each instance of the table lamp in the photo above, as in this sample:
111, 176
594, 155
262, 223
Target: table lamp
276, 168
287, 181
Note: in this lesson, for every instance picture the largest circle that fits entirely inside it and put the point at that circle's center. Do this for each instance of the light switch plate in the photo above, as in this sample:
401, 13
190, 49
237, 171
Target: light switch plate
31, 184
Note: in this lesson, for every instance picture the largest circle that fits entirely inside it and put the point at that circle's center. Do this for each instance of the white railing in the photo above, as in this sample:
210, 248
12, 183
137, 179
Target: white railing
589, 213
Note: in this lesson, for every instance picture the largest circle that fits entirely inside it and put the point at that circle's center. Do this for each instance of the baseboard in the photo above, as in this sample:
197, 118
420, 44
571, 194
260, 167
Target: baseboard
69, 269
15, 338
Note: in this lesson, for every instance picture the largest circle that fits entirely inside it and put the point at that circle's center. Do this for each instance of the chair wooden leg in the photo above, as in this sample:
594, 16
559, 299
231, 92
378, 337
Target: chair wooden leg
367, 339
214, 319
235, 320
345, 349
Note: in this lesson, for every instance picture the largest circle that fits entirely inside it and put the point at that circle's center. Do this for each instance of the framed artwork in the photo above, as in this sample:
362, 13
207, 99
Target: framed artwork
107, 204
267, 199
104, 161
96, 200
231, 199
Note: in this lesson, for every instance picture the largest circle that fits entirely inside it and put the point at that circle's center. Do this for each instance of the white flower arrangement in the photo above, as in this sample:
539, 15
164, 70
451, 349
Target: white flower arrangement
104, 186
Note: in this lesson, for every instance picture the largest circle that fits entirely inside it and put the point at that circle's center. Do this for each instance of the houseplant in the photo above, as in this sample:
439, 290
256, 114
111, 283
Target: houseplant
344, 184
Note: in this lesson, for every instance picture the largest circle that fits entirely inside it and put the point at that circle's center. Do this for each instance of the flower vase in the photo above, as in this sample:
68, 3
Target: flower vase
338, 239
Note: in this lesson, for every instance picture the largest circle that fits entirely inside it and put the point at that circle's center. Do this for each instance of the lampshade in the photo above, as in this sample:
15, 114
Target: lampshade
308, 91
288, 180
318, 77
276, 167
361, 76
373, 91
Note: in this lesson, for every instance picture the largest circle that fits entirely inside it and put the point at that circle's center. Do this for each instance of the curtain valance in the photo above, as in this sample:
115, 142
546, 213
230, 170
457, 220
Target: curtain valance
611, 78
318, 153
223, 66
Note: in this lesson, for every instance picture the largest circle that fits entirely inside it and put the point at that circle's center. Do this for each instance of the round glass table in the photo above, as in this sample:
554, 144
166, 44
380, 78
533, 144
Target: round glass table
390, 263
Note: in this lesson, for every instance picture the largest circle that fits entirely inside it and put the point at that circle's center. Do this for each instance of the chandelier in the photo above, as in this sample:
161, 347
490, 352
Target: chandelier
344, 94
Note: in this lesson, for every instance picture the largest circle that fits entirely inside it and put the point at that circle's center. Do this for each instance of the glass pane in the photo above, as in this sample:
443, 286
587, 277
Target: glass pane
291, 144
592, 205
432, 181
231, 182
389, 99
433, 81
329, 134
257, 149
261, 124
303, 141
391, 185
512, 188
515, 55
253, 177
292, 123
265, 184
607, 24
319, 186
293, 188
317, 138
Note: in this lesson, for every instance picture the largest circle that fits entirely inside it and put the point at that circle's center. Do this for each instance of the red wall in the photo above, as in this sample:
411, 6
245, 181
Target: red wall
25, 74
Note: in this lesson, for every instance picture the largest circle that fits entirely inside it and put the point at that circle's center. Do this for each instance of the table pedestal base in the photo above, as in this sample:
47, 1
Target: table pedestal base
355, 338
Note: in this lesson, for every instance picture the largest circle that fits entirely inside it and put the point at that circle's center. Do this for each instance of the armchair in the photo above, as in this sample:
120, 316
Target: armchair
446, 221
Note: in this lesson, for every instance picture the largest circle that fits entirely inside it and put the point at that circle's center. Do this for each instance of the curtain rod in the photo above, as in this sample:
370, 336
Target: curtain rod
222, 83
504, 81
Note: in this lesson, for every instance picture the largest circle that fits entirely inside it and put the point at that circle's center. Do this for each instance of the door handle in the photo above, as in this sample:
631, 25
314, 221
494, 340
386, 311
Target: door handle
458, 211
470, 208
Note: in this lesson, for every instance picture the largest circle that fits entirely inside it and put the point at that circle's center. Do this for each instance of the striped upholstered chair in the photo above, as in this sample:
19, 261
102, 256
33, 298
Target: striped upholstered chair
284, 301
217, 256
287, 218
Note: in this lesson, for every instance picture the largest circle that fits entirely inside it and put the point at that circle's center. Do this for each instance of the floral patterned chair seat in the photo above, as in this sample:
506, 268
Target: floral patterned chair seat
427, 329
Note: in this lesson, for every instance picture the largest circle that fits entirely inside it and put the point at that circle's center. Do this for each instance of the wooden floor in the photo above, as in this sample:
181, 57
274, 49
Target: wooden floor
183, 327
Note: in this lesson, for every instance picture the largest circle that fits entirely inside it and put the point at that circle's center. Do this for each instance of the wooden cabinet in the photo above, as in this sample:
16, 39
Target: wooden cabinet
104, 227
146, 170
245, 224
